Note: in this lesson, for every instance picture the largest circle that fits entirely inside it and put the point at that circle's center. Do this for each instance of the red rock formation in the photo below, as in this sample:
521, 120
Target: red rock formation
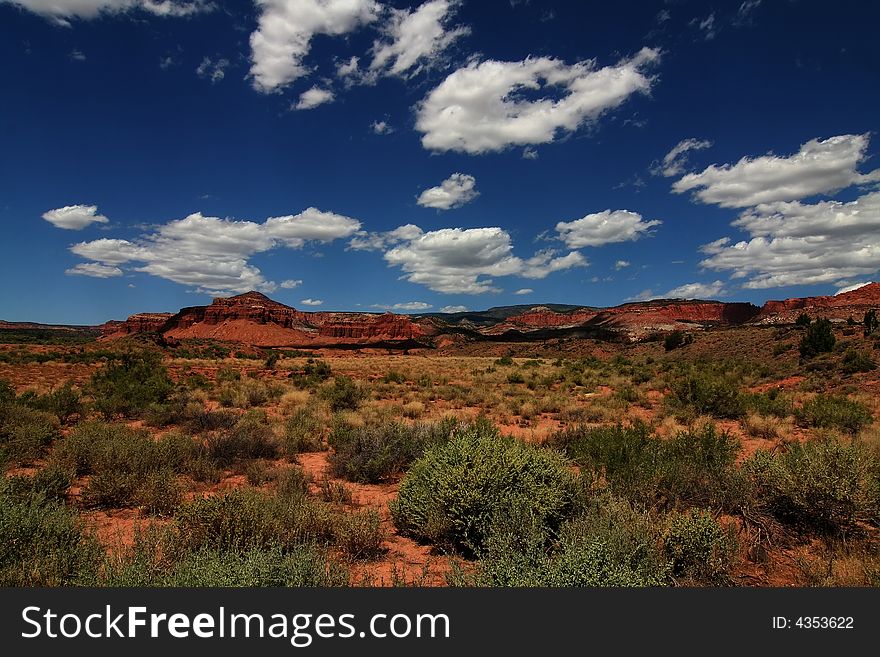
253, 318
840, 306
139, 323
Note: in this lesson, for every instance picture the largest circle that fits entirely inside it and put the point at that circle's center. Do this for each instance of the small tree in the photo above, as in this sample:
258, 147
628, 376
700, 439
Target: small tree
803, 320
871, 322
818, 339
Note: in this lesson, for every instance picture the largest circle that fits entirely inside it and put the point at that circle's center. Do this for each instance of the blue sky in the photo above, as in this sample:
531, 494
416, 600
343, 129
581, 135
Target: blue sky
357, 155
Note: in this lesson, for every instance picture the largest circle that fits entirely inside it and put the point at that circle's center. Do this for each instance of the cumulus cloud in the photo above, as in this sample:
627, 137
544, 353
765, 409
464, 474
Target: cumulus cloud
606, 227
312, 302
454, 309
94, 270
313, 97
414, 39
284, 34
213, 69
675, 161
212, 254
289, 284
852, 287
483, 107
794, 243
365, 241
819, 167
455, 191
74, 217
463, 261
621, 264
412, 306
62, 12
381, 128
523, 291
697, 291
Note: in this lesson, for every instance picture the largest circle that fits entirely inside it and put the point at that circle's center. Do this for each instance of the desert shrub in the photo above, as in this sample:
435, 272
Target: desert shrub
51, 482
24, 433
515, 377
676, 339
707, 393
302, 565
781, 348
64, 402
769, 403
244, 519
609, 544
818, 338
699, 549
128, 385
292, 482
250, 438
377, 451
857, 361
259, 472
203, 468
505, 361
344, 394
303, 432
764, 426
693, 466
803, 320
335, 492
393, 376
189, 414
271, 360
159, 492
451, 495
44, 542
7, 392
314, 372
834, 412
870, 322
413, 410
825, 484
360, 534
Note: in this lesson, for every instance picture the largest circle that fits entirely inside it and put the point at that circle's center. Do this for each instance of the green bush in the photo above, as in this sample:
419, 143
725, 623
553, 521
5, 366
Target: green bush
129, 385
825, 484
44, 542
694, 466
769, 403
834, 412
857, 361
314, 372
64, 402
676, 339
250, 438
24, 433
303, 432
707, 393
360, 534
51, 482
819, 338
609, 544
452, 494
699, 549
344, 394
373, 453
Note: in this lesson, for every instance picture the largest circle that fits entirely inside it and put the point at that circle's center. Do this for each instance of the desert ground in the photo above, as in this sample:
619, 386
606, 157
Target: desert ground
721, 457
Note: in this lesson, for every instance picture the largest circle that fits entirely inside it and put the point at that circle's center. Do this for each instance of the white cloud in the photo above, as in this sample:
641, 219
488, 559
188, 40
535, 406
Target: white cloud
606, 227
621, 264
94, 269
462, 261
457, 190
697, 291
289, 284
314, 97
412, 305
74, 217
364, 241
454, 309
348, 67
675, 161
851, 287
285, 30
794, 243
381, 128
529, 153
62, 12
523, 291
213, 69
819, 167
481, 107
707, 26
415, 39
312, 302
212, 254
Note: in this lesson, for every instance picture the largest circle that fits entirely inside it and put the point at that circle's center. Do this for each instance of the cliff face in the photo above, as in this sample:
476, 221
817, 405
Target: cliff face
841, 306
632, 320
255, 319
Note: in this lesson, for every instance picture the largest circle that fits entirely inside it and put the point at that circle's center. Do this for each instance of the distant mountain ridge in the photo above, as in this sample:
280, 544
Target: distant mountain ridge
254, 318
